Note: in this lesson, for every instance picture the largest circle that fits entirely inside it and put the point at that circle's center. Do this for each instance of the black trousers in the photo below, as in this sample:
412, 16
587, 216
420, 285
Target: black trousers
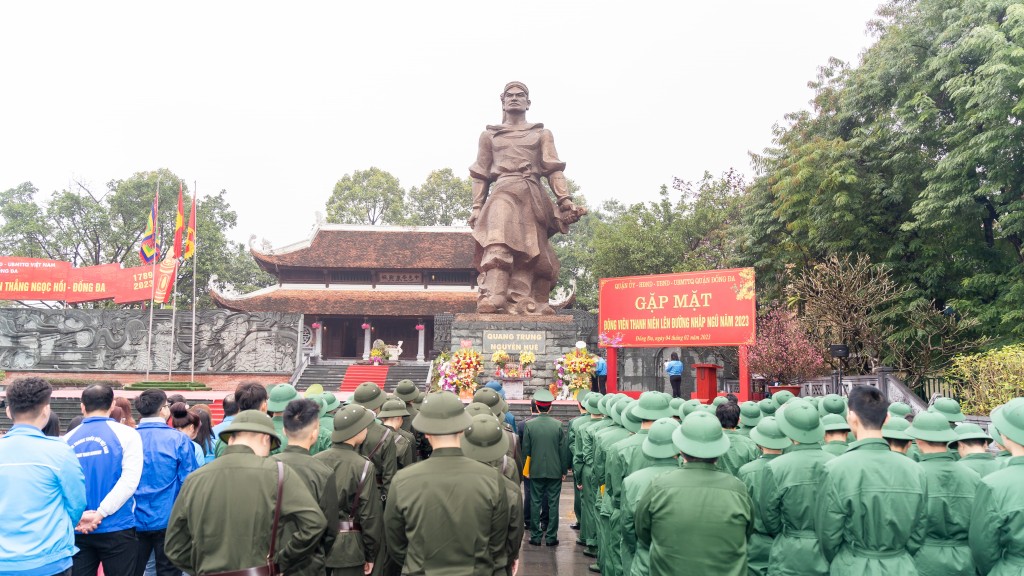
597, 383
116, 550
676, 382
153, 541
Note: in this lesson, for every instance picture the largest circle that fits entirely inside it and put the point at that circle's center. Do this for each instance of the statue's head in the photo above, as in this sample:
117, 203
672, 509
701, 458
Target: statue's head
515, 97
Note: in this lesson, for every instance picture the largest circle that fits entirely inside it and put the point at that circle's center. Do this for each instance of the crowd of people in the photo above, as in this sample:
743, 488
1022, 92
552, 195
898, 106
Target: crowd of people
417, 484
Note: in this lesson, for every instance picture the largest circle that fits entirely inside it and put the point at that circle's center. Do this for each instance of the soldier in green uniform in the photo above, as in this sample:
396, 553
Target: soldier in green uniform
972, 444
248, 396
788, 498
486, 442
302, 427
280, 396
771, 441
358, 524
232, 500
545, 445
493, 400
900, 410
392, 414
767, 406
573, 428
780, 398
331, 407
592, 483
407, 392
608, 557
866, 526
997, 522
379, 446
688, 407
951, 489
1003, 456
750, 415
741, 448
837, 432
583, 468
695, 519
661, 452
894, 432
428, 531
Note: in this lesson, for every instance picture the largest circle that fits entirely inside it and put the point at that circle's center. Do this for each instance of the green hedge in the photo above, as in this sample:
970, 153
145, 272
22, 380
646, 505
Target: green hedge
187, 386
79, 382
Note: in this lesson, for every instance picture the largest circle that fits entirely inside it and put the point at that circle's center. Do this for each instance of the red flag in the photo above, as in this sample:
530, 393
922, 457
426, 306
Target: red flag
150, 248
179, 222
190, 234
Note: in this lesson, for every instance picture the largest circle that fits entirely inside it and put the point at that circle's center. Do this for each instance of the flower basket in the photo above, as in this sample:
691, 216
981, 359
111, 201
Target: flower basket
573, 372
457, 372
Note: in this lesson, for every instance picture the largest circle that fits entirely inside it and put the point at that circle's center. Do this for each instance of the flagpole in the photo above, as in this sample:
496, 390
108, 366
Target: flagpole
195, 271
174, 314
152, 292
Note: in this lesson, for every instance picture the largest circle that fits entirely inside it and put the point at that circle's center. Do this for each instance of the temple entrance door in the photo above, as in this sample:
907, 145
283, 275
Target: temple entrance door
340, 338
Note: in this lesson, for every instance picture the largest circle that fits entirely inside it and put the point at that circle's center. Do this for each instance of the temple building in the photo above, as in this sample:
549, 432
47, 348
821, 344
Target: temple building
357, 284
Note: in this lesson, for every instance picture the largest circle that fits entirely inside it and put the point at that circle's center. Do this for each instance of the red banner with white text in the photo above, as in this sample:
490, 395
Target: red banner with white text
39, 279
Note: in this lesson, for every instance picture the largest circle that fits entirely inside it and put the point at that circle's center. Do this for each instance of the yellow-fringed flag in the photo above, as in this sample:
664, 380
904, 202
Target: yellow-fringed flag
179, 222
190, 234
150, 248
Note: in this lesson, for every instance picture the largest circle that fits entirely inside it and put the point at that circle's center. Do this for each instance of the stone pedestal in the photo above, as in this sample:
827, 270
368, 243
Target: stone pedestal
548, 337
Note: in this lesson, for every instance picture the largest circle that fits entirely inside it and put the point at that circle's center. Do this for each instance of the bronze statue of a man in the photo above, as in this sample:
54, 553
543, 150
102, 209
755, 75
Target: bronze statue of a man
513, 216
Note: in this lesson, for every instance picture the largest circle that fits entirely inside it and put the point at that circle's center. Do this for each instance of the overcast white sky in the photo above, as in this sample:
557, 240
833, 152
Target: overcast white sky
275, 102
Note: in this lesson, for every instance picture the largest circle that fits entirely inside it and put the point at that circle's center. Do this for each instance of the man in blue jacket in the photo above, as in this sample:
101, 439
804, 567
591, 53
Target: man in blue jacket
111, 457
42, 489
168, 457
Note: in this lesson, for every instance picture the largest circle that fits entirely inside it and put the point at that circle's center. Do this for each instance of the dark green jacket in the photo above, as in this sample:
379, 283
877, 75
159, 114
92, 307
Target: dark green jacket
873, 511
633, 486
353, 548
759, 545
951, 489
984, 463
695, 521
615, 468
741, 450
997, 522
602, 450
579, 463
545, 443
449, 515
573, 428
405, 448
381, 451
835, 447
231, 501
319, 480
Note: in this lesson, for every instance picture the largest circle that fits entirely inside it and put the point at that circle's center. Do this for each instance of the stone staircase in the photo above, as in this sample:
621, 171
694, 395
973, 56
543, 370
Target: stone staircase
330, 376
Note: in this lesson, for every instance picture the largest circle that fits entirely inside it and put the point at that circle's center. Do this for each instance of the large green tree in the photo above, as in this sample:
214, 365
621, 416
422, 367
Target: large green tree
370, 196
443, 199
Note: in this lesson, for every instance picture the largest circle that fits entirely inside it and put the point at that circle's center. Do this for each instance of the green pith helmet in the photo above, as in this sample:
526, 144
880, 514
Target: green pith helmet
835, 423
615, 409
369, 396
419, 399
971, 431
832, 404
652, 406
931, 427
659, 444
767, 406
689, 407
393, 408
781, 397
900, 409
489, 397
711, 409
1010, 419
477, 408
581, 398
252, 421
484, 440
675, 404
950, 409
750, 414
543, 395
799, 420
896, 429
407, 390
604, 405
331, 402
718, 401
313, 391
350, 421
280, 396
594, 403
701, 436
813, 401
768, 434
629, 420
321, 405
441, 413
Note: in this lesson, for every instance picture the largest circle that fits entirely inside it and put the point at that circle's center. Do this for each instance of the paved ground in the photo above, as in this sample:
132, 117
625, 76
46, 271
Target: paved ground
567, 558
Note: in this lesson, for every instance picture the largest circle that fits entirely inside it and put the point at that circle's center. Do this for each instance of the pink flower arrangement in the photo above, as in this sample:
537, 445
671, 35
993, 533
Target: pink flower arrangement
366, 326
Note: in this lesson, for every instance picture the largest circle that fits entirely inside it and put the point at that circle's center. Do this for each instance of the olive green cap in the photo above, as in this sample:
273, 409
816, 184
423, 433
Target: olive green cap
252, 421
313, 391
350, 421
484, 440
659, 444
971, 431
594, 402
750, 414
280, 396
689, 407
799, 420
950, 409
406, 390
393, 408
491, 398
834, 423
652, 406
895, 429
782, 396
932, 427
441, 413
832, 404
768, 434
369, 396
719, 400
1010, 419
331, 402
629, 420
900, 409
700, 435
477, 408
675, 404
767, 406
581, 398
543, 395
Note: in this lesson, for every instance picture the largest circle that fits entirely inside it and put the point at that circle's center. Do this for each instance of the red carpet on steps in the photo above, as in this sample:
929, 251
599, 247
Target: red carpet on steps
356, 374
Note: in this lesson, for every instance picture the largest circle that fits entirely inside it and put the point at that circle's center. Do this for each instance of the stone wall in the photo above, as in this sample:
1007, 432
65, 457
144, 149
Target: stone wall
642, 369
